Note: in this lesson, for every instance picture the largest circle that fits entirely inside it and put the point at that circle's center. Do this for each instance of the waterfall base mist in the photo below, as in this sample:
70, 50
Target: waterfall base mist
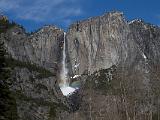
67, 90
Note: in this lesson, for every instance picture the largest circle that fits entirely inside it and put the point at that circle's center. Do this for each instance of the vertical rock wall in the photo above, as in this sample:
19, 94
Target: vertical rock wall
100, 42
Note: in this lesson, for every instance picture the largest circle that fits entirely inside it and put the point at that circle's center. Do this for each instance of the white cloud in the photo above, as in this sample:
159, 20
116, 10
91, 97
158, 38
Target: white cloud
6, 5
42, 10
70, 11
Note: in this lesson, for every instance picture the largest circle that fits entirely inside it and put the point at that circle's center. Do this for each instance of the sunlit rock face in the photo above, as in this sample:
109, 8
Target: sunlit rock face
116, 92
40, 47
100, 42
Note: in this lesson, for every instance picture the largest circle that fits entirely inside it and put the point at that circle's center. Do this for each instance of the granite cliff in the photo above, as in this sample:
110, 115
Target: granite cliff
33, 60
121, 59
116, 62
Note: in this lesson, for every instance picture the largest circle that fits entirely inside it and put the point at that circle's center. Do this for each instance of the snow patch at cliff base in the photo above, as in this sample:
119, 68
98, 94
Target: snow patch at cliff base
66, 90
76, 76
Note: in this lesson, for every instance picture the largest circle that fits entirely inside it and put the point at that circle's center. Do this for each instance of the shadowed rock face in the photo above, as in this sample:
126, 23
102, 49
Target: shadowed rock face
119, 61
35, 66
147, 37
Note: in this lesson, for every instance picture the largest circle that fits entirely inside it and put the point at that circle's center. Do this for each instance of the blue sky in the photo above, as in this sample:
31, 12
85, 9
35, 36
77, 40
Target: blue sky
33, 14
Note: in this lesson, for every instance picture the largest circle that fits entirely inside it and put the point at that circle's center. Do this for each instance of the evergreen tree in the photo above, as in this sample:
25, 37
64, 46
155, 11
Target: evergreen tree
5, 24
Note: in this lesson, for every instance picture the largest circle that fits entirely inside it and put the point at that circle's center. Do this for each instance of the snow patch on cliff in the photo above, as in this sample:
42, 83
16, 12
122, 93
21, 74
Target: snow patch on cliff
76, 65
76, 76
144, 56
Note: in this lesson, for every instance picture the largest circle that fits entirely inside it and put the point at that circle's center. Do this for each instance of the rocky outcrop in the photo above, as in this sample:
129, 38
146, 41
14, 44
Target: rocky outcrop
147, 37
34, 60
96, 45
100, 42
41, 47
34, 97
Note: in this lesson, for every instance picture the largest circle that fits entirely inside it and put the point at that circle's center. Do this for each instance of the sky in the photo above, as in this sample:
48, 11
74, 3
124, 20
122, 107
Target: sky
33, 14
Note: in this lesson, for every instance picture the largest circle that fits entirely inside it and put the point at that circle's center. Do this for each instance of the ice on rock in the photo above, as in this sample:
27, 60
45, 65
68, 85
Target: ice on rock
144, 56
76, 65
76, 76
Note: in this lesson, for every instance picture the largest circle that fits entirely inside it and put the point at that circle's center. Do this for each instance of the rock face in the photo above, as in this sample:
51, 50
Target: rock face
99, 43
34, 59
117, 64
35, 97
40, 48
147, 37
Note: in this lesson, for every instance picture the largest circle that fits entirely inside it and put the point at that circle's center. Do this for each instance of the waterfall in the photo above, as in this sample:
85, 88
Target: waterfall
64, 71
64, 83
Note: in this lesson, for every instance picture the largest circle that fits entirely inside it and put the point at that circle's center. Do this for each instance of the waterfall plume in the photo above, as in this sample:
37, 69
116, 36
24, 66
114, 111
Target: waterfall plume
64, 80
64, 70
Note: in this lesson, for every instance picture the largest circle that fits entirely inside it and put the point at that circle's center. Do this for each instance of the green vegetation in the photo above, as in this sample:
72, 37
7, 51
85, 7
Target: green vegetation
52, 112
101, 80
54, 107
126, 85
8, 109
5, 24
40, 102
40, 86
43, 73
